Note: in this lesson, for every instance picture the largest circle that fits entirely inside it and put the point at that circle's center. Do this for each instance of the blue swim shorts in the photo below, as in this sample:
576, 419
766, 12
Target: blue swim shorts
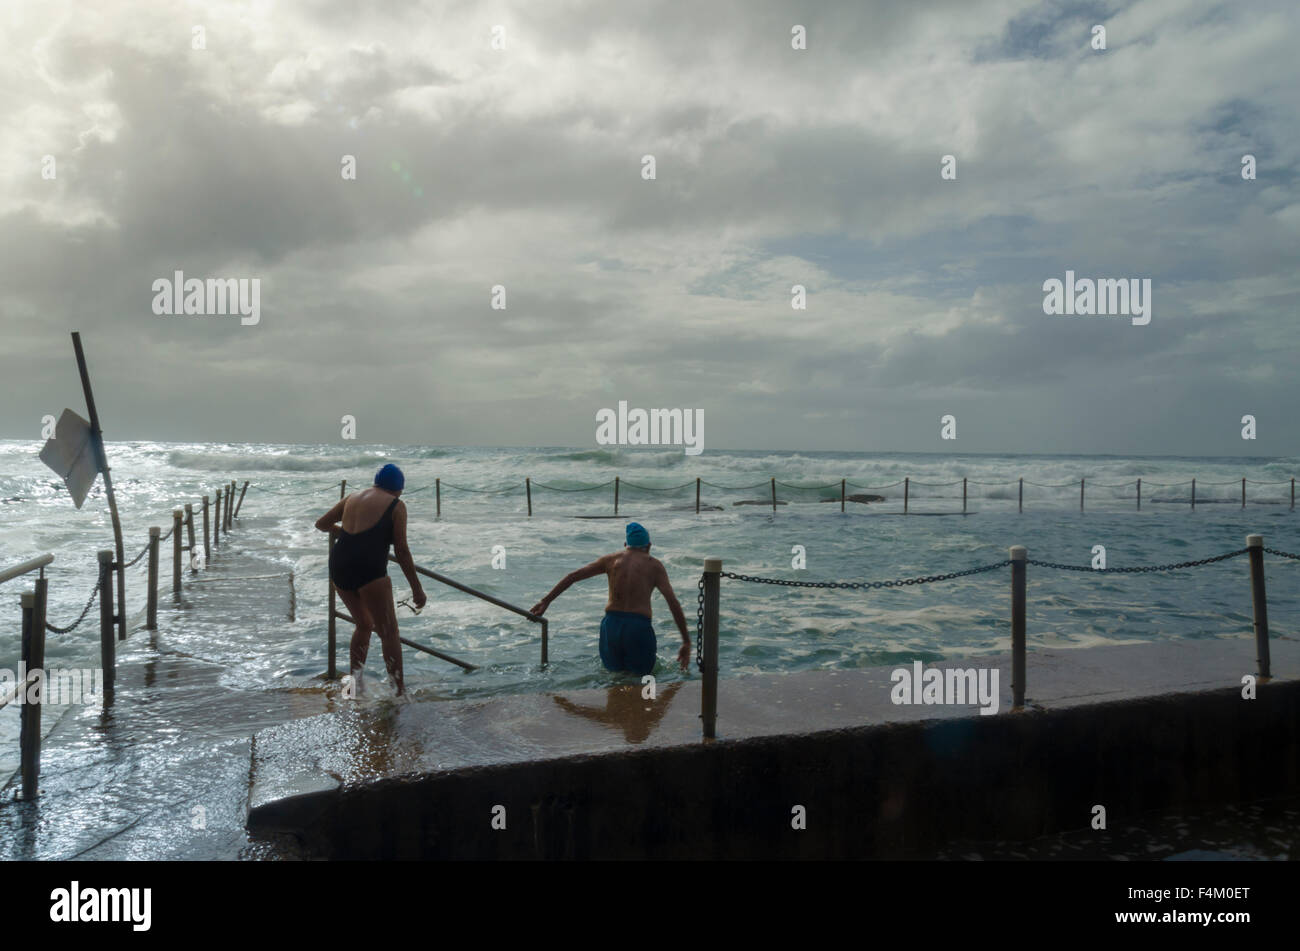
627, 642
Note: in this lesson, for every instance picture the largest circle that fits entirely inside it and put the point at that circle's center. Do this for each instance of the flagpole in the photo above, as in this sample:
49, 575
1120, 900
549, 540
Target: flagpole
102, 461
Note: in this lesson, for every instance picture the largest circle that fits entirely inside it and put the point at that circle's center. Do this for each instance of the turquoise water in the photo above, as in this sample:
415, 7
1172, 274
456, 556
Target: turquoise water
764, 629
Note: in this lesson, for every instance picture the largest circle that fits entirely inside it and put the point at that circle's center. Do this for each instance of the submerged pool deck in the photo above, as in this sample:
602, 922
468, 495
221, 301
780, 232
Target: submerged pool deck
608, 774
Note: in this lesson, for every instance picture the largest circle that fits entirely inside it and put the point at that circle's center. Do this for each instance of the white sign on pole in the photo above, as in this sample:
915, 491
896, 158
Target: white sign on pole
71, 453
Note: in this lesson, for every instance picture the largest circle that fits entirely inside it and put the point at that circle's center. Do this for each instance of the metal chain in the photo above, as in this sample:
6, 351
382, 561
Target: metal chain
1284, 554
699, 630
857, 584
297, 492
585, 488
103, 573
512, 487
1141, 568
137, 557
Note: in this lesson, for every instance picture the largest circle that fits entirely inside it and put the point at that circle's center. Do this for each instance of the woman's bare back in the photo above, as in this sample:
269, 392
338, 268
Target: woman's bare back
364, 509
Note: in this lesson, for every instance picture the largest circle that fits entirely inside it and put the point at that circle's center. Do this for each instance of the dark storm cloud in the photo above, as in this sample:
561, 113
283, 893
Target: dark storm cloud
775, 167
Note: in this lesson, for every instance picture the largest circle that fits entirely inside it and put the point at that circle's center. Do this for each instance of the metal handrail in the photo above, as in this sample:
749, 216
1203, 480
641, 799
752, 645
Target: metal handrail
451, 583
39, 562
483, 596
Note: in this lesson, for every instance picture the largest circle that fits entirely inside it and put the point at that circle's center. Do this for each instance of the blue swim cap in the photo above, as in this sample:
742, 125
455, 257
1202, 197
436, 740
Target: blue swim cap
636, 535
390, 477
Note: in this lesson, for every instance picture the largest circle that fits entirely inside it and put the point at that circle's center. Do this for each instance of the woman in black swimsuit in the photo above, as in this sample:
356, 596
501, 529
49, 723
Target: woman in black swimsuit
372, 520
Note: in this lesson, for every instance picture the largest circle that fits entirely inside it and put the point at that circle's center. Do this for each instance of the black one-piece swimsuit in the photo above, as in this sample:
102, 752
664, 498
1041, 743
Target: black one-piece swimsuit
359, 559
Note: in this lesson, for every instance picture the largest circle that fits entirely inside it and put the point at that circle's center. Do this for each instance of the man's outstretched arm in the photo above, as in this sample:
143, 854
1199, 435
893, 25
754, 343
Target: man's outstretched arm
597, 567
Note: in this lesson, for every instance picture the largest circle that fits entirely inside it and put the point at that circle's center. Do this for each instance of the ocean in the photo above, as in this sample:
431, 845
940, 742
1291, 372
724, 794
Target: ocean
765, 629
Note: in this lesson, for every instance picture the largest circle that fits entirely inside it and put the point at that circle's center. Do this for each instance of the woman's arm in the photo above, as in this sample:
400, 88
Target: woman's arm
326, 521
403, 555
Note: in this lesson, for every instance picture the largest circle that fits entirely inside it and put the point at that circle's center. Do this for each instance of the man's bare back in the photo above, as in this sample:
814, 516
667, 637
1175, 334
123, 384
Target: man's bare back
633, 575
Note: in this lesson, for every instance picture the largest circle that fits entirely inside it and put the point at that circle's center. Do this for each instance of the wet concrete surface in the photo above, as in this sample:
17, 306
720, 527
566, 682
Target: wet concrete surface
162, 771
376, 740
300, 769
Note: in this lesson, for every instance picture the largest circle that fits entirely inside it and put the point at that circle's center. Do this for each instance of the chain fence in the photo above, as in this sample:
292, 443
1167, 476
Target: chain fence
94, 592
132, 562
947, 576
1139, 569
845, 484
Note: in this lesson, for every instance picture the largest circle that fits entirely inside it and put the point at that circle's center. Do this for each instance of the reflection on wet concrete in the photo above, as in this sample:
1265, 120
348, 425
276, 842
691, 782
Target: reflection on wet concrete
626, 709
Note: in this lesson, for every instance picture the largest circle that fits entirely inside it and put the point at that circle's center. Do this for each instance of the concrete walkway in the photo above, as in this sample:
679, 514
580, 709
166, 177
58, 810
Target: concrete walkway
303, 770
163, 772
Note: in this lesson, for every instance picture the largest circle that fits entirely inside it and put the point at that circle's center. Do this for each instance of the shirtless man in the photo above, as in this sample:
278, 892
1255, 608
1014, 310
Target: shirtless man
372, 520
627, 639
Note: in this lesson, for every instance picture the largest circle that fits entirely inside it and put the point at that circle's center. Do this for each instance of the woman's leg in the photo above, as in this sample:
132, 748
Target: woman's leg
377, 596
361, 633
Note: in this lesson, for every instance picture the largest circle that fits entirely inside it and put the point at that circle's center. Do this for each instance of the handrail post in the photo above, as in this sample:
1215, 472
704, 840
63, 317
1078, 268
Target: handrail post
1243, 493
1019, 557
107, 646
697, 494
1139, 495
230, 498
842, 495
963, 496
176, 551
1193, 494
907, 491
189, 522
1259, 601
1080, 495
332, 673
709, 662
28, 602
1022, 494
235, 514
33, 655
437, 490
216, 520
773, 495
343, 489
151, 602
207, 548
528, 488
545, 642
615, 495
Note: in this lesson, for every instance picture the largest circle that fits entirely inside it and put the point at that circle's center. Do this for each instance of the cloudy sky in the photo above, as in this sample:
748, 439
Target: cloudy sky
523, 166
